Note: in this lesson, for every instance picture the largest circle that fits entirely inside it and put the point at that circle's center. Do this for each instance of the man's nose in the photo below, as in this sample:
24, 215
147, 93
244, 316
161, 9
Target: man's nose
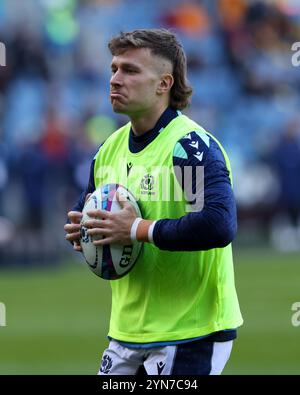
116, 79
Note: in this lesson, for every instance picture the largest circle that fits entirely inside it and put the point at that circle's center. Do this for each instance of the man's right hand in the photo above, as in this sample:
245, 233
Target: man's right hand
73, 229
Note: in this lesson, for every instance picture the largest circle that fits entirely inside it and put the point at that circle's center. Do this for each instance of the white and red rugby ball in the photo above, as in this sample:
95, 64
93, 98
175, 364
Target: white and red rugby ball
110, 261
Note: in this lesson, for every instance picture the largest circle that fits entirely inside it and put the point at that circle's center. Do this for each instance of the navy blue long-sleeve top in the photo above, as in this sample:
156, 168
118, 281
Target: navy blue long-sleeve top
212, 226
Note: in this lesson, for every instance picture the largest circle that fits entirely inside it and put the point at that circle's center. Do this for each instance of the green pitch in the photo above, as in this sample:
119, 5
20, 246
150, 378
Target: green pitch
57, 319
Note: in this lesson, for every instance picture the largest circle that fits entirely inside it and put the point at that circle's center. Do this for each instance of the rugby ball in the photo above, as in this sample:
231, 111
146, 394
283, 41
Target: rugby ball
114, 261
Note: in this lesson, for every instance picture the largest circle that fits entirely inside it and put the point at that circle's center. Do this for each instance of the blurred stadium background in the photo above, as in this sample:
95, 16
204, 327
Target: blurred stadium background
54, 113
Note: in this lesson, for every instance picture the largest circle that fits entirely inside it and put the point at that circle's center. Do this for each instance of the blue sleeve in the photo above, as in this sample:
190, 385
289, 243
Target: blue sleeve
90, 186
89, 189
215, 224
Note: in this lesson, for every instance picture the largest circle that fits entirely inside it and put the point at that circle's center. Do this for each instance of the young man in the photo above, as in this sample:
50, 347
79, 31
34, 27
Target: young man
177, 311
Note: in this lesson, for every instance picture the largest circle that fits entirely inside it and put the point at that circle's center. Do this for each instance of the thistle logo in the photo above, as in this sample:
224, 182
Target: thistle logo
106, 364
2, 315
147, 185
2, 55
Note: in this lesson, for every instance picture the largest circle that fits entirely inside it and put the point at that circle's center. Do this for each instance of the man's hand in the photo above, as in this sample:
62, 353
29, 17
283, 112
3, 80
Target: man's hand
73, 229
115, 227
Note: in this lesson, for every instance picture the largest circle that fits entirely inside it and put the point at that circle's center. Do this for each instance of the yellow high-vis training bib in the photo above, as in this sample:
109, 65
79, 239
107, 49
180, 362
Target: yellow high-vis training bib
167, 295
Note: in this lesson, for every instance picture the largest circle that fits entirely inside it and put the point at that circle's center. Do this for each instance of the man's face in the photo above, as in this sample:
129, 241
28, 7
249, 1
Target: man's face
135, 82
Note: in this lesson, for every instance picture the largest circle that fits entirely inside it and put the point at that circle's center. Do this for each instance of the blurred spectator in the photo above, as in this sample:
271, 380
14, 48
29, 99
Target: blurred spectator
258, 39
3, 181
189, 17
54, 142
32, 169
285, 160
27, 56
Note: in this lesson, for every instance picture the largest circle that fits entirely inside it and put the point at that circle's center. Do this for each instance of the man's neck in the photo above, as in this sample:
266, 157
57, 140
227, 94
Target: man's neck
142, 124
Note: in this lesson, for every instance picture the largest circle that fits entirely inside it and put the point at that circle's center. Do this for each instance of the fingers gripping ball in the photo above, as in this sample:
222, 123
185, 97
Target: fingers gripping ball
110, 261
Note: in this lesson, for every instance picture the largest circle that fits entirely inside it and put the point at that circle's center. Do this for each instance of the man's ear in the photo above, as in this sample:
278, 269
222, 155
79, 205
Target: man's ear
165, 84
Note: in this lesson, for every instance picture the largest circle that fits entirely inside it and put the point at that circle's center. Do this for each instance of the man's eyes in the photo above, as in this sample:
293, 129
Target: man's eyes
128, 71
131, 71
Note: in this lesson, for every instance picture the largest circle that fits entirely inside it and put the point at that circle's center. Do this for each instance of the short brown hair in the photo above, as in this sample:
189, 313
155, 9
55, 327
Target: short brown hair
163, 43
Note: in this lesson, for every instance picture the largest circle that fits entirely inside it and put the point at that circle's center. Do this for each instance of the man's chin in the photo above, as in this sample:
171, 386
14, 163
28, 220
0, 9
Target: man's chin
119, 109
